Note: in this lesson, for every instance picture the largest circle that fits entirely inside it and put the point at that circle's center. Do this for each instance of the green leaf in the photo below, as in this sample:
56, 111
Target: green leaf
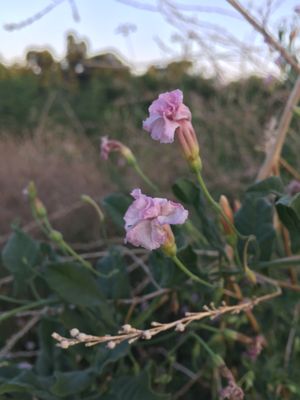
116, 205
255, 217
288, 209
73, 283
20, 255
28, 382
136, 388
272, 185
47, 348
107, 356
71, 383
116, 284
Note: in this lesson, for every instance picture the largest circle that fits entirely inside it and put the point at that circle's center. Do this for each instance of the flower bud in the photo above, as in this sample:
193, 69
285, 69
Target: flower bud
108, 146
31, 190
39, 208
56, 236
189, 144
169, 246
227, 210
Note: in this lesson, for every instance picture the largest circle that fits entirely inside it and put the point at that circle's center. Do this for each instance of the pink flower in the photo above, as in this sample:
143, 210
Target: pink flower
166, 115
147, 220
108, 146
293, 187
256, 347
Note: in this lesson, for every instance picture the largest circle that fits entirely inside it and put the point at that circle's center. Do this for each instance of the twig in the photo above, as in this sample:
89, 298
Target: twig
146, 297
184, 389
17, 336
273, 155
267, 35
141, 263
291, 337
289, 168
130, 334
7, 279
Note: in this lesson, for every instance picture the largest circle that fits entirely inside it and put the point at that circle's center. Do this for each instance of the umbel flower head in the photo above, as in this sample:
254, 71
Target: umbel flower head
147, 220
167, 116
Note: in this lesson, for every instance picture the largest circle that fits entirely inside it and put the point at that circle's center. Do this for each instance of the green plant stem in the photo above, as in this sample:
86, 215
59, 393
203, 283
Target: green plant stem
12, 300
217, 360
29, 306
192, 230
73, 253
281, 262
215, 205
194, 277
87, 199
144, 177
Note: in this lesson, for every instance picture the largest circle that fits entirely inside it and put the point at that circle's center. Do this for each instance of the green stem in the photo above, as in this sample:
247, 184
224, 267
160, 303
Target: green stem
144, 177
215, 205
281, 262
217, 360
87, 199
73, 253
192, 230
26, 307
194, 277
12, 300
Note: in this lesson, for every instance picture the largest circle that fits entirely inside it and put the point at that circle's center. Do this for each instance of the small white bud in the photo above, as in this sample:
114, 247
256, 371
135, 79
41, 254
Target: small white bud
126, 328
180, 327
64, 344
146, 335
74, 332
81, 337
111, 345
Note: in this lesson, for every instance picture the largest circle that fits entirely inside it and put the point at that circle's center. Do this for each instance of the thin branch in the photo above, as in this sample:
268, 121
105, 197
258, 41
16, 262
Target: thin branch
273, 155
130, 334
267, 35
18, 335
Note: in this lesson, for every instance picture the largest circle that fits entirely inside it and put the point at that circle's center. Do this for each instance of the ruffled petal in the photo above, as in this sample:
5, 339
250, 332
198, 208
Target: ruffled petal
147, 234
172, 213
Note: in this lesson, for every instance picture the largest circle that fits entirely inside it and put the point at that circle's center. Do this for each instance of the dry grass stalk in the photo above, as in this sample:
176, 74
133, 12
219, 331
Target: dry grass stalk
130, 334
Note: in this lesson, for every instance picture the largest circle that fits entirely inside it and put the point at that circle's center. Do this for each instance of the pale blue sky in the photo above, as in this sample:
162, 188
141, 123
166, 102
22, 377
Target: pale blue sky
98, 22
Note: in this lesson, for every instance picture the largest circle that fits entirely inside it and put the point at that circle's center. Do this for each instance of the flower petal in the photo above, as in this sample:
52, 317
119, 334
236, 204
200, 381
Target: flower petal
147, 234
172, 213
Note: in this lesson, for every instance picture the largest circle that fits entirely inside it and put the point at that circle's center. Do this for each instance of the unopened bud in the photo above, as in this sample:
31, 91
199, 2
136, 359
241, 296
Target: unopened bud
180, 327
81, 337
190, 146
56, 236
64, 344
169, 246
147, 335
74, 332
126, 328
31, 190
227, 211
111, 345
250, 275
39, 208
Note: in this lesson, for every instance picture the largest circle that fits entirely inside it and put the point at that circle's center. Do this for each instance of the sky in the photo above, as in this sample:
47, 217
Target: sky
100, 19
